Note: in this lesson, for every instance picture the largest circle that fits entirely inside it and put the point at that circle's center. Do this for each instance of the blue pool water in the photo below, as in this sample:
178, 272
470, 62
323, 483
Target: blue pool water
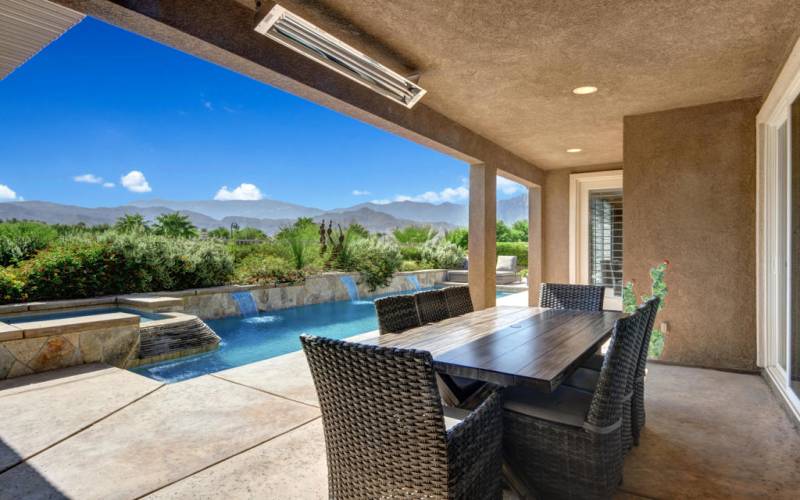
269, 334
80, 313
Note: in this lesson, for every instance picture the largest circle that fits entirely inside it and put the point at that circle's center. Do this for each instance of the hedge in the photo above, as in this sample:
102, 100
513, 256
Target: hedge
516, 248
89, 266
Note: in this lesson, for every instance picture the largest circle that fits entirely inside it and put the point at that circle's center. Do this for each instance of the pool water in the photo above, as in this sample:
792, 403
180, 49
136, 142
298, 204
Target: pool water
269, 334
80, 313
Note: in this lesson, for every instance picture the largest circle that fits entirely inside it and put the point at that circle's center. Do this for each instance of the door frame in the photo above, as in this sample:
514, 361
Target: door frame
579, 187
773, 227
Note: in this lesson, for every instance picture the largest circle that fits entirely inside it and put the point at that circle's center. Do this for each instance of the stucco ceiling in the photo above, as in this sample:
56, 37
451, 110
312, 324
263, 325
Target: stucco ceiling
506, 68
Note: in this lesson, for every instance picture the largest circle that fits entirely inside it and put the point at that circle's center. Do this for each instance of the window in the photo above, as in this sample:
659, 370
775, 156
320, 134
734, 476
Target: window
605, 239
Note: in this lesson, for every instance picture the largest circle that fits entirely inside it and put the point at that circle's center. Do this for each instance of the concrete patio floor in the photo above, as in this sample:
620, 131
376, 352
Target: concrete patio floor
255, 432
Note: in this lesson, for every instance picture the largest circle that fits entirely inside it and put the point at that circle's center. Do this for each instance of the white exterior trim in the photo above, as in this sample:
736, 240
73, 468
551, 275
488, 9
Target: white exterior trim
579, 187
773, 225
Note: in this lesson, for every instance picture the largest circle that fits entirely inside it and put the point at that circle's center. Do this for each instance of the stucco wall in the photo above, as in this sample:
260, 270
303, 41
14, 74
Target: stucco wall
690, 194
555, 221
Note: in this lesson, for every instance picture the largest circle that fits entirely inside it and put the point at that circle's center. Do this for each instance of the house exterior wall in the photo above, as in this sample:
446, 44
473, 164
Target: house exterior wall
690, 197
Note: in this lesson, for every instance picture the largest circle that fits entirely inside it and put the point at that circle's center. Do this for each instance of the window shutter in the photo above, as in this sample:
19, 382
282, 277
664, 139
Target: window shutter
605, 239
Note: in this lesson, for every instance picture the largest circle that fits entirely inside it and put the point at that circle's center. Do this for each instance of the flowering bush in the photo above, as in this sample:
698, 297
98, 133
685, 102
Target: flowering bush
443, 254
377, 259
658, 289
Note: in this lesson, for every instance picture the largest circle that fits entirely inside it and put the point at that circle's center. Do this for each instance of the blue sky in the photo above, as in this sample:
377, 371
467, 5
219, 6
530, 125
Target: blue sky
102, 117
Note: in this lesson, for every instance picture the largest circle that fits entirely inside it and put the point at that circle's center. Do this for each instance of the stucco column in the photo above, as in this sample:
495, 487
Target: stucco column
482, 234
534, 244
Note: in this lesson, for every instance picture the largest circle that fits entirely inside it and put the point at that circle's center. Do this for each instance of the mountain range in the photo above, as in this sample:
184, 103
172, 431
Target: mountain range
266, 215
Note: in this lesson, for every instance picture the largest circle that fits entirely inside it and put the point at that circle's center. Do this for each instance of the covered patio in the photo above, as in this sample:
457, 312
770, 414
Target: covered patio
256, 431
687, 103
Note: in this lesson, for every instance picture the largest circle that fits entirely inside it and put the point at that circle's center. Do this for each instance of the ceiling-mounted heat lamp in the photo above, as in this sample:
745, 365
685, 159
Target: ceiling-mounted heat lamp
301, 36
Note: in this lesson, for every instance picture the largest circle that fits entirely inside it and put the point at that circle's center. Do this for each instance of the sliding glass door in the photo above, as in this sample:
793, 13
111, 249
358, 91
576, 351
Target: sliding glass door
789, 347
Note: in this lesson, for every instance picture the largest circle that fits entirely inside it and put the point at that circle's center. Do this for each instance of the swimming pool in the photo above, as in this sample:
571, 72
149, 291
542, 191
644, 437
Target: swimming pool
269, 334
145, 317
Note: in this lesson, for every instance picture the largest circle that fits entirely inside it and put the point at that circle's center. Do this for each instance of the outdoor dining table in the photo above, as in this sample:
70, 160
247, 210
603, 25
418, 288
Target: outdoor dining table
506, 345
534, 347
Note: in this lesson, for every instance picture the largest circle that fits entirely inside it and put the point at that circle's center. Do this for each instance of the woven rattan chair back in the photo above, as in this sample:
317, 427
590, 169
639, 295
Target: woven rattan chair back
383, 420
616, 375
458, 300
397, 314
431, 306
638, 411
563, 296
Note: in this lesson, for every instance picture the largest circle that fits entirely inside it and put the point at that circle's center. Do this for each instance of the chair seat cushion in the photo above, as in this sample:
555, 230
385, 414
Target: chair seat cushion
453, 416
565, 406
583, 379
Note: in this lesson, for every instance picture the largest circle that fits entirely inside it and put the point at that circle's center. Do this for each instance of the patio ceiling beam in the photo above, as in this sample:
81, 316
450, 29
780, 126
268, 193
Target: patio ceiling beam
221, 31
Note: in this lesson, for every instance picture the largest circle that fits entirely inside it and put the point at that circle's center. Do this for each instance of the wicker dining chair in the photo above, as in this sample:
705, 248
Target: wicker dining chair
431, 306
458, 300
394, 441
586, 379
397, 313
568, 444
637, 404
563, 296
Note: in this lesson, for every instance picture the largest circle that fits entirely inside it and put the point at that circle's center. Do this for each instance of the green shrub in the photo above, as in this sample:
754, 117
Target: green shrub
443, 254
411, 253
519, 249
11, 287
113, 263
21, 240
377, 259
299, 244
459, 237
411, 265
267, 270
411, 235
249, 233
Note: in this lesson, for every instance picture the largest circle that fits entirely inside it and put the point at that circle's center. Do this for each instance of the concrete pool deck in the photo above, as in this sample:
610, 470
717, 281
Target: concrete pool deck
255, 432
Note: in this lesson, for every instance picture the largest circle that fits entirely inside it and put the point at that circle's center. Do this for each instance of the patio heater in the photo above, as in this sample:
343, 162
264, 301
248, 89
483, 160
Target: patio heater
294, 32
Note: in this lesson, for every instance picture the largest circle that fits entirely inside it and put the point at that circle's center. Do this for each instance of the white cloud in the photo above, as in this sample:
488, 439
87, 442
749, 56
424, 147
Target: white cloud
135, 182
245, 191
108, 184
381, 202
208, 105
358, 192
88, 179
446, 195
507, 186
8, 194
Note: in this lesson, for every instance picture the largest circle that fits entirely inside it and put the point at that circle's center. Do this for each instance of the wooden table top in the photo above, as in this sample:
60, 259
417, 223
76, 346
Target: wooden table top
505, 345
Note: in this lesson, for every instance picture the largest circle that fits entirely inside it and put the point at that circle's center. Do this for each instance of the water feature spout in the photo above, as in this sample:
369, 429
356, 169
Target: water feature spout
246, 302
352, 288
412, 278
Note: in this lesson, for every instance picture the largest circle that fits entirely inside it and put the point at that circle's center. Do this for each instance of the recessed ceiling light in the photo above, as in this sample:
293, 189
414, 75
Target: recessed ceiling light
574, 150
584, 90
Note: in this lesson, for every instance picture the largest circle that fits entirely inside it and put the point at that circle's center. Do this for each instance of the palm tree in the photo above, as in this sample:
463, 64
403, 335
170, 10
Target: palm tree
131, 223
175, 225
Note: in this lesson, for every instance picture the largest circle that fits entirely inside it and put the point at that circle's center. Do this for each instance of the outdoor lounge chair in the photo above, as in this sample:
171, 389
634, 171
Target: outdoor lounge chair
397, 313
505, 271
399, 441
431, 306
568, 444
564, 296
